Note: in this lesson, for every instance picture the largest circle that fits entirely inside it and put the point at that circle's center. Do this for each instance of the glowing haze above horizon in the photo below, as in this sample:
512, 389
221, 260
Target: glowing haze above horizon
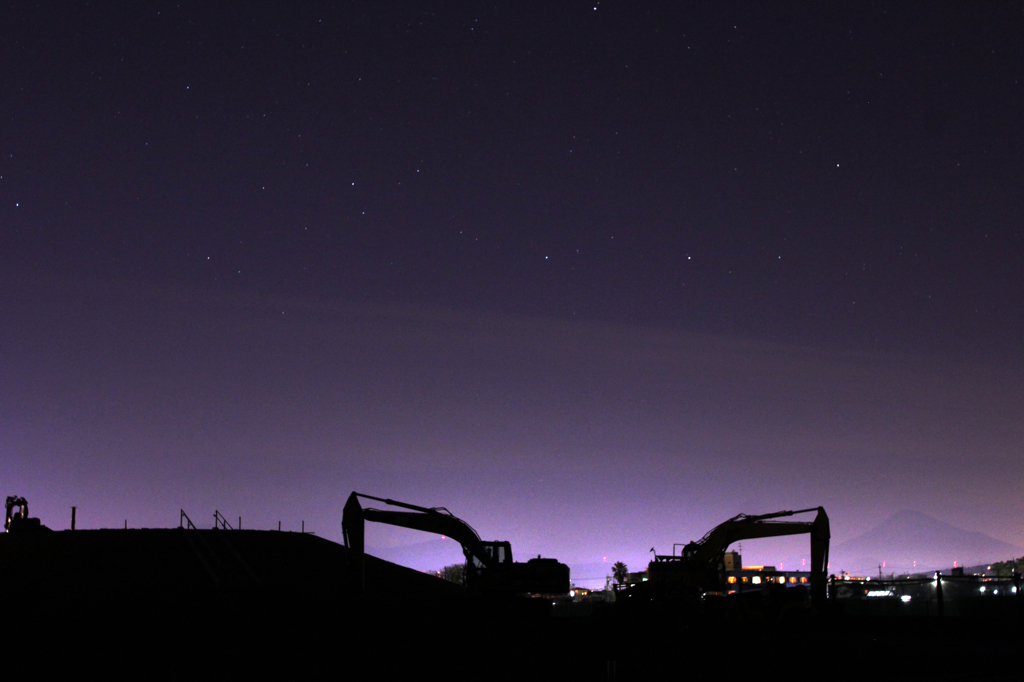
593, 277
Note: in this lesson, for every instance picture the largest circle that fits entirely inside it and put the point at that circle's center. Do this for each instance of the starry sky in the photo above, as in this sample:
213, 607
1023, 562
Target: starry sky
595, 277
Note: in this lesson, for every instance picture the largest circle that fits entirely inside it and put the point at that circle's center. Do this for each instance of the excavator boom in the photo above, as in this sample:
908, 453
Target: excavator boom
700, 565
489, 565
431, 520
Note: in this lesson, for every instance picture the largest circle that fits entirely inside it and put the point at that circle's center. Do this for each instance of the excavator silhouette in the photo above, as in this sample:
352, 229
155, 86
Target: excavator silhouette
700, 568
489, 566
17, 519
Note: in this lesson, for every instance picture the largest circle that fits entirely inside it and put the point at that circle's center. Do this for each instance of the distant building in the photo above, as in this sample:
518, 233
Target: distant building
582, 594
759, 577
635, 578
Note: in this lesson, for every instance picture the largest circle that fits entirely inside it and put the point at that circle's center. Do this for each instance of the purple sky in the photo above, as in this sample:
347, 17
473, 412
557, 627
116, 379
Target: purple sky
574, 439
593, 279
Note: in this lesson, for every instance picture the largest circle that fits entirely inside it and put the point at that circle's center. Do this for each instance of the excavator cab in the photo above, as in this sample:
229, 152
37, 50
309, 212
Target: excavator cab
500, 553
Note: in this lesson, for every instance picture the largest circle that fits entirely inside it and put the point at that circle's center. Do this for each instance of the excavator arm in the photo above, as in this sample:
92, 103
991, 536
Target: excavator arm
13, 501
701, 561
429, 519
711, 548
489, 565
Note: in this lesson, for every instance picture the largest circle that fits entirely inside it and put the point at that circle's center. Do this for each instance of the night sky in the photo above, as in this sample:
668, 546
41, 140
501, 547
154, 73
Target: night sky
594, 277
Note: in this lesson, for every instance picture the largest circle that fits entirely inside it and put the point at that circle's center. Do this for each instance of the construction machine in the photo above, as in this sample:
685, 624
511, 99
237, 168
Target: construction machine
700, 568
489, 565
17, 519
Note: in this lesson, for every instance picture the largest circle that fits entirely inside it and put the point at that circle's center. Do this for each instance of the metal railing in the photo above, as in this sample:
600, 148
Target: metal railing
219, 521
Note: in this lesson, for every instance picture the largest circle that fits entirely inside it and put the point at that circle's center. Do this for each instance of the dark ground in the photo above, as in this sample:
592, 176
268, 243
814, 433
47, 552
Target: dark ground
202, 603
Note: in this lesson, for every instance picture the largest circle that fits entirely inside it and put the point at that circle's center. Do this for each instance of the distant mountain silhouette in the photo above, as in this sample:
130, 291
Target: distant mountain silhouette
910, 536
